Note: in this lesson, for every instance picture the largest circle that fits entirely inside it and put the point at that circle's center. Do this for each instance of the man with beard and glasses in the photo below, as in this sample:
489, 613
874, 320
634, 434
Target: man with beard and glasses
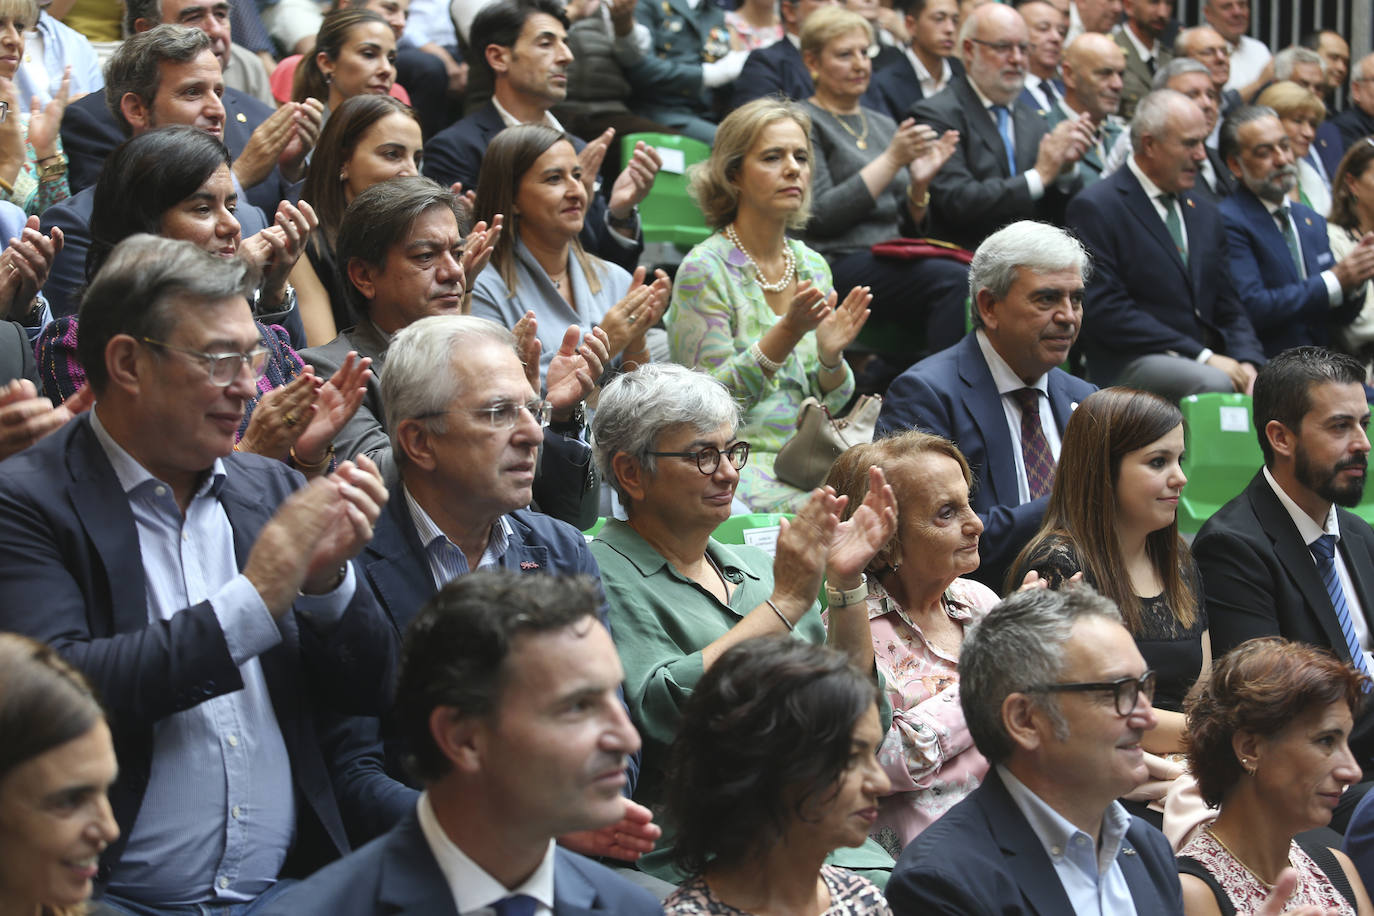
1281, 559
1281, 263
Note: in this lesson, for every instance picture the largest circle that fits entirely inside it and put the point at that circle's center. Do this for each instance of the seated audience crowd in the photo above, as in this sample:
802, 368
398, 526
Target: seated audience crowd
408, 505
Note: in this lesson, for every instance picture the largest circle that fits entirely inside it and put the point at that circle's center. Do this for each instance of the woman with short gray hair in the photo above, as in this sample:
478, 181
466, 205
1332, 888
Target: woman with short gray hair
666, 440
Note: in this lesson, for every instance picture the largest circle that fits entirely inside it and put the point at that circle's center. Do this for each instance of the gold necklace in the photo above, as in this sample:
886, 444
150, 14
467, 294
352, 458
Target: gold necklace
1239, 861
861, 138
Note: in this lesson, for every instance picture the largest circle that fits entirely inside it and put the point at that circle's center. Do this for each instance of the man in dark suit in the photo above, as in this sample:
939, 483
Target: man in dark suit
930, 62
778, 69
1159, 314
268, 163
1264, 569
1057, 698
1280, 259
208, 594
1027, 283
1093, 68
1188, 76
1046, 26
1339, 133
377, 248
1008, 165
522, 46
483, 703
1140, 38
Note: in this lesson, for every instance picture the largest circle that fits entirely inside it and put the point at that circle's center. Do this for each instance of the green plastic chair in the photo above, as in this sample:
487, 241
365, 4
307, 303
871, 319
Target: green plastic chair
668, 214
734, 528
1221, 454
1365, 509
595, 529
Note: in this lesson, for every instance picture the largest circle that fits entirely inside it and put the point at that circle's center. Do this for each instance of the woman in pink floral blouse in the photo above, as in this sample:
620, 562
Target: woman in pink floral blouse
919, 608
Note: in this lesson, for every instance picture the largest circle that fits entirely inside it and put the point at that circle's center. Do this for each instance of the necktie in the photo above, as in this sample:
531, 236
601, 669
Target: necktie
1150, 64
1051, 93
515, 905
1291, 240
1174, 223
1004, 128
1324, 552
1035, 451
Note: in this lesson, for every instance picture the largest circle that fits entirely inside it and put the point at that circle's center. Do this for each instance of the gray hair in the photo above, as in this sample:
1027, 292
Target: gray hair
136, 65
1177, 67
1152, 115
418, 382
1026, 244
144, 286
1019, 645
1228, 138
1289, 57
638, 407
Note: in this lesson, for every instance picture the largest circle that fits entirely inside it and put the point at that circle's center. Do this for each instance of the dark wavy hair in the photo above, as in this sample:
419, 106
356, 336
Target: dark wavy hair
736, 779
1261, 687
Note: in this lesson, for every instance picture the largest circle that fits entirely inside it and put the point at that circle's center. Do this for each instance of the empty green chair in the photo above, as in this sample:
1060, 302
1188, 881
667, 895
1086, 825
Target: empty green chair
668, 214
1221, 454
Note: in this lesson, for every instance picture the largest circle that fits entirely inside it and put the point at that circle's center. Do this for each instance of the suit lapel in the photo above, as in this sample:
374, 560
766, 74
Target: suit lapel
397, 567
1061, 404
985, 407
1030, 127
410, 880
1143, 209
573, 894
1357, 564
522, 556
1025, 855
1267, 228
980, 122
1144, 891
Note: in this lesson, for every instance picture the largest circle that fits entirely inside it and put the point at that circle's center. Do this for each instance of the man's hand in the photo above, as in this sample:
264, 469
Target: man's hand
574, 369
1062, 147
591, 157
635, 182
627, 839
25, 417
286, 136
1242, 375
622, 17
457, 73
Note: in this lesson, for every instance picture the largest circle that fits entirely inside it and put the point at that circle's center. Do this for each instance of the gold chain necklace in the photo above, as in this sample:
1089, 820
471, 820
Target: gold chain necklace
1239, 861
861, 138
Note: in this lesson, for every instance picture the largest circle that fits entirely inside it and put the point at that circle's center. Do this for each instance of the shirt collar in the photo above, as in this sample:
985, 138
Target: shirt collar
1055, 832
1143, 52
1274, 208
986, 102
880, 603
510, 121
794, 38
429, 532
1307, 529
624, 540
922, 73
132, 475
471, 886
1006, 380
1152, 190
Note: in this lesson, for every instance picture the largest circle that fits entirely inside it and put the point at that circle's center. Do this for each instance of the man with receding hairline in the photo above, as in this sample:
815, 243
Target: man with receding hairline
1093, 70
1046, 27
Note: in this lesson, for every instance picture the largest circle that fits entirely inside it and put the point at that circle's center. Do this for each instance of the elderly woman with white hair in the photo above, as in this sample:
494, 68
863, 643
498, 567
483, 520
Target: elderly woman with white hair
667, 441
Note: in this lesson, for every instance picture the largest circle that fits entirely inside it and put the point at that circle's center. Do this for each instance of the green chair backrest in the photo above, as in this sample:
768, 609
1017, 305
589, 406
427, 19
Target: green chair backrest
759, 529
668, 214
1365, 509
1221, 454
591, 533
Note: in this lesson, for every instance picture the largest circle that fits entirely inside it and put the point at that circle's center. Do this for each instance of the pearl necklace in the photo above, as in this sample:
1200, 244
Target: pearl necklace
789, 262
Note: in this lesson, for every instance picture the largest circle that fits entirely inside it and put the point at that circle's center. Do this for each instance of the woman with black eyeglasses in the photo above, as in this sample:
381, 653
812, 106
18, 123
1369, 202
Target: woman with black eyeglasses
665, 438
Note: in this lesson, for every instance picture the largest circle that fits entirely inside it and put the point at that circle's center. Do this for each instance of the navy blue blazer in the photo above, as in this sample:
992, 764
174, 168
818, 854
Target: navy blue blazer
974, 194
895, 89
952, 394
71, 576
1141, 298
455, 154
982, 859
1338, 134
775, 69
397, 873
1226, 182
89, 133
1285, 309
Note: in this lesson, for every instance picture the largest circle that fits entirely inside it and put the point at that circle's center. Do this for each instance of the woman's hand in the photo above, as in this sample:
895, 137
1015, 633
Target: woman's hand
808, 308
909, 142
24, 266
931, 157
44, 122
858, 540
802, 548
574, 369
338, 400
281, 416
627, 321
839, 328
276, 249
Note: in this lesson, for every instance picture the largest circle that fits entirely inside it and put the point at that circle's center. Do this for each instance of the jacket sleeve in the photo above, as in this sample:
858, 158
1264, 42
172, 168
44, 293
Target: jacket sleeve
1269, 307
1238, 591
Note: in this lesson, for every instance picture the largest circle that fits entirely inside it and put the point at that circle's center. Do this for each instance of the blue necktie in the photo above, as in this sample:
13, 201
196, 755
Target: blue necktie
515, 905
1004, 128
1324, 551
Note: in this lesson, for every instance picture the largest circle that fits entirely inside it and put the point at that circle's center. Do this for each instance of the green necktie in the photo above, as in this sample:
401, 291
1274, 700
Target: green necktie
1286, 225
1174, 223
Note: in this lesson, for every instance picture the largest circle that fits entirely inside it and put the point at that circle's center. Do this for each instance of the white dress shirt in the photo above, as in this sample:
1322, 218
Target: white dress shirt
930, 84
474, 891
1007, 382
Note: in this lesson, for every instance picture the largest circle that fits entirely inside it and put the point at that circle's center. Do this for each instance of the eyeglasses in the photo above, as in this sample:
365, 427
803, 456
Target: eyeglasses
1003, 48
1221, 52
223, 367
1125, 691
708, 458
504, 416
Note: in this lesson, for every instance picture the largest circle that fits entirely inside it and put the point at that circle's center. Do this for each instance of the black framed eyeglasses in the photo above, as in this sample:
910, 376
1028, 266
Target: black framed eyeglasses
708, 458
1125, 691
223, 367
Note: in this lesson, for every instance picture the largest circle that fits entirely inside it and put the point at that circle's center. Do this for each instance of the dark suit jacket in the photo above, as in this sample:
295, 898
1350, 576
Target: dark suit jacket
89, 133
1141, 298
1226, 182
566, 485
1329, 146
455, 154
16, 354
397, 874
895, 89
975, 194
1340, 133
1285, 309
952, 394
1260, 580
776, 69
71, 576
982, 859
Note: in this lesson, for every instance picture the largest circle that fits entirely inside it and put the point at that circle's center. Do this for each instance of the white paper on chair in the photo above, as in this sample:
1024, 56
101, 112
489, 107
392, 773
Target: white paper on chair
673, 160
762, 538
1235, 419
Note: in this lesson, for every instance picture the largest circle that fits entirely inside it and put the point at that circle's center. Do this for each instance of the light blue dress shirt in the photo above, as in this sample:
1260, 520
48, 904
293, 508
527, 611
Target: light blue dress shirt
446, 560
218, 816
41, 74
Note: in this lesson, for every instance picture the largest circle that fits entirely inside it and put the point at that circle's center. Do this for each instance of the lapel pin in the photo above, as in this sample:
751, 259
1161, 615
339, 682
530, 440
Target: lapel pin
1307, 220
528, 564
1073, 406
1127, 851
242, 118
1190, 202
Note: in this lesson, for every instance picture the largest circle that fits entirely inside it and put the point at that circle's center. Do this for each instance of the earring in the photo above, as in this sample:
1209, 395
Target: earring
328, 79
814, 75
1245, 765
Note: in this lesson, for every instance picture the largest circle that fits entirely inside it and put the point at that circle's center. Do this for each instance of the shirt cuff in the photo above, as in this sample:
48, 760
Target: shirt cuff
1205, 355
325, 611
1334, 294
621, 240
1034, 184
249, 628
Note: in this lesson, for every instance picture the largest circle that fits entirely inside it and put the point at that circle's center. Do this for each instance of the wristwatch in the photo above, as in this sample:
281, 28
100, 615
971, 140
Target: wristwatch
571, 427
53, 167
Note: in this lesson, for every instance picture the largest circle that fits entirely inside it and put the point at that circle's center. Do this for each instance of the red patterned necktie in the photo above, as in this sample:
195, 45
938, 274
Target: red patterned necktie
1035, 451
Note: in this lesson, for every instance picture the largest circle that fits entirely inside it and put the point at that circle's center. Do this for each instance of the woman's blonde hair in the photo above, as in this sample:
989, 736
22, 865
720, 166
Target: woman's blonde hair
1290, 100
828, 23
711, 183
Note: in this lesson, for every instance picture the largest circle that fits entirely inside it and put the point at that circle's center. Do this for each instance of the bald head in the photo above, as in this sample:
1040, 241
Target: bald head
995, 43
1093, 69
1205, 45
1362, 85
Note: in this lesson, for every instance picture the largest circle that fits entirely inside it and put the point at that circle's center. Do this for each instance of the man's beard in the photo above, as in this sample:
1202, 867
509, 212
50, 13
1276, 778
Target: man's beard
1347, 494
